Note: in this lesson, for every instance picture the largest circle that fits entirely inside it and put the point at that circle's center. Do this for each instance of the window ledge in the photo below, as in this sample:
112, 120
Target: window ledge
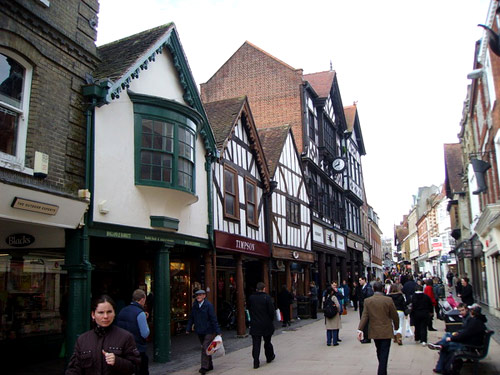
11, 162
182, 197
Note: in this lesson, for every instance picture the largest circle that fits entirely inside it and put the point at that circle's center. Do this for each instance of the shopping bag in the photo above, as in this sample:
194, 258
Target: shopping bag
408, 332
216, 347
344, 310
279, 317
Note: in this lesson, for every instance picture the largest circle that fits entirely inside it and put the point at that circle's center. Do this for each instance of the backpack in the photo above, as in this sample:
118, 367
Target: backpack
330, 309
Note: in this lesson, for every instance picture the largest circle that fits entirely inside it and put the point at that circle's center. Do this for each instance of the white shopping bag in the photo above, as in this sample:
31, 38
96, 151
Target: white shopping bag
279, 317
216, 347
408, 332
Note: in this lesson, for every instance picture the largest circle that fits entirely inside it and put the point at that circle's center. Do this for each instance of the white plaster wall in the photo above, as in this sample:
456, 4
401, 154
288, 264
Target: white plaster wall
132, 205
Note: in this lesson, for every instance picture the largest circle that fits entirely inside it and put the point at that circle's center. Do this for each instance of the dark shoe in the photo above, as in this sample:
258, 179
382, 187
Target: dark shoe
328, 344
432, 329
269, 360
366, 341
203, 370
339, 340
256, 365
336, 344
283, 325
436, 371
434, 346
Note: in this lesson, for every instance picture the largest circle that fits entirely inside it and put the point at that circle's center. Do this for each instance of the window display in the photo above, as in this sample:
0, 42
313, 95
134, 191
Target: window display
180, 295
30, 295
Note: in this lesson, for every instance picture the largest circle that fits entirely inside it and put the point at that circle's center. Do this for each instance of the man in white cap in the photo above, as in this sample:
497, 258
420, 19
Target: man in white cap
205, 325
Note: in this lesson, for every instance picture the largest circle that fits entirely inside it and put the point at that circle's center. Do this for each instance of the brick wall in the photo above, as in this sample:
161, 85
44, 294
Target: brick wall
272, 87
61, 50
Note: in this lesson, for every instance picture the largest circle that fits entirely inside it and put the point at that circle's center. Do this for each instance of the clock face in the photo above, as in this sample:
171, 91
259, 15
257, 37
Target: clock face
338, 164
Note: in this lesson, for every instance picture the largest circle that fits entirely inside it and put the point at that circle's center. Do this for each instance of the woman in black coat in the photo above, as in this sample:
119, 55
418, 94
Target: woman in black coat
421, 310
285, 299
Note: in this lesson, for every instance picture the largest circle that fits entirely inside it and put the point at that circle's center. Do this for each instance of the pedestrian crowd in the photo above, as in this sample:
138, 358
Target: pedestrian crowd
388, 310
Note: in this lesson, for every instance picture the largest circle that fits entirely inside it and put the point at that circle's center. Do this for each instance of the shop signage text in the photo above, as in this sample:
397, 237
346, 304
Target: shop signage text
33, 206
20, 240
240, 244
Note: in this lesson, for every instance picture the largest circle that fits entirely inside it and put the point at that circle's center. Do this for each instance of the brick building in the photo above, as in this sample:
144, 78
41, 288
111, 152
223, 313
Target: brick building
46, 50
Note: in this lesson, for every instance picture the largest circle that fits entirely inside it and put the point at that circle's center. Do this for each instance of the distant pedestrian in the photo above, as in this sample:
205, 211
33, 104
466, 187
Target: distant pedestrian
285, 300
133, 318
355, 291
421, 310
205, 325
458, 285
332, 323
449, 277
313, 297
262, 312
466, 293
96, 350
409, 288
347, 293
365, 292
429, 290
380, 311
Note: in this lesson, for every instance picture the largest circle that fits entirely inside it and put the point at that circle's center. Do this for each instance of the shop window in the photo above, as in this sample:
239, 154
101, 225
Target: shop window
15, 87
33, 300
231, 205
251, 202
292, 212
165, 134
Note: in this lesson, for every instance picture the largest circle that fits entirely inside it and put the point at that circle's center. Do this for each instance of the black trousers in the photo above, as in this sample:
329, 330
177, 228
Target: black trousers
421, 323
143, 368
206, 360
268, 348
314, 309
383, 346
365, 330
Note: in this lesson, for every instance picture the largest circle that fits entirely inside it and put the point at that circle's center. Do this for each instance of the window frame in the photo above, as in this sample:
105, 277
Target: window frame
181, 117
16, 161
255, 222
290, 215
227, 215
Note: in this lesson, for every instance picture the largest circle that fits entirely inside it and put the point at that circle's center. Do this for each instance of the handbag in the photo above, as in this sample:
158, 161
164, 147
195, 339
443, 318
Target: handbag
279, 317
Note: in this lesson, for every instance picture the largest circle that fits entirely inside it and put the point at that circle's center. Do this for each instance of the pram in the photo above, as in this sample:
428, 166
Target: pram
451, 317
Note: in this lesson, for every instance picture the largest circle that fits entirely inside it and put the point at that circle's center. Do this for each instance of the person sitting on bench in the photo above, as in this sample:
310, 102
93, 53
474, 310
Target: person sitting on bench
472, 333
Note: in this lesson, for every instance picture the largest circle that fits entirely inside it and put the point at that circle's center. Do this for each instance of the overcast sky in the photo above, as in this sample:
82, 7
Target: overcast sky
404, 62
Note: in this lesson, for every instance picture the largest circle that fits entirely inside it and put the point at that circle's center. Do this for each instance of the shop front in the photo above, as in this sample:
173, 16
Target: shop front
33, 283
240, 264
357, 264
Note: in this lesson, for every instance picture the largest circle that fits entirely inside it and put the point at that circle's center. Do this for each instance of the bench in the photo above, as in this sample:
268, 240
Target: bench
476, 353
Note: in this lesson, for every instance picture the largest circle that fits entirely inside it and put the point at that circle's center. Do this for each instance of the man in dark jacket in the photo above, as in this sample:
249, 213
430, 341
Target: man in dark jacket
466, 292
133, 319
365, 291
421, 310
409, 288
285, 300
205, 326
261, 323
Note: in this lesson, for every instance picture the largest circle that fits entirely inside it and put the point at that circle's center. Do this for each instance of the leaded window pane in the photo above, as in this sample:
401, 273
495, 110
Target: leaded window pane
11, 81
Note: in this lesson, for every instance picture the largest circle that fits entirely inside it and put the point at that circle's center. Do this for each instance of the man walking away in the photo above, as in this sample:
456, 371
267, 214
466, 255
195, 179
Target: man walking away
133, 318
313, 295
205, 326
262, 313
365, 291
421, 311
285, 300
380, 311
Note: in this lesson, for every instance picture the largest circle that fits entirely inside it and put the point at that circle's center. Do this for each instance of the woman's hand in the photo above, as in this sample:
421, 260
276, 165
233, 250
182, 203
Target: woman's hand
109, 357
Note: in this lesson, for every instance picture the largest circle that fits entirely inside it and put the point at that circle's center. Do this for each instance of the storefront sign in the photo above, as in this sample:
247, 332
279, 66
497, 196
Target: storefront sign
232, 242
33, 206
20, 240
318, 235
293, 255
340, 242
354, 245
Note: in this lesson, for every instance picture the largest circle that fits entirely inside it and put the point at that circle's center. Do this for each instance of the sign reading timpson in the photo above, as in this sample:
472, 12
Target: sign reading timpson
240, 244
34, 206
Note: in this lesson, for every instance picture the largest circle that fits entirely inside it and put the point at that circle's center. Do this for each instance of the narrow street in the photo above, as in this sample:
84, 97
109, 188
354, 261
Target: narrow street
303, 350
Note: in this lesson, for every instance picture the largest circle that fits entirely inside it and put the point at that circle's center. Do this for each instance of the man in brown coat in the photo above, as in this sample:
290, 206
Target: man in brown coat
381, 313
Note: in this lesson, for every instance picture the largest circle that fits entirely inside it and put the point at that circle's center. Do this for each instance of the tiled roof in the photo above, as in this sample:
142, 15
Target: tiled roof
453, 167
222, 115
321, 82
119, 56
273, 140
350, 116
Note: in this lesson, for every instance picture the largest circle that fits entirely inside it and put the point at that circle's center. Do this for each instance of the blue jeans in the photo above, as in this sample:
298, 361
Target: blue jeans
448, 347
332, 336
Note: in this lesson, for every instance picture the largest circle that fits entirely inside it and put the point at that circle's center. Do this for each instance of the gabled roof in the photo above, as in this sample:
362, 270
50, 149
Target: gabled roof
223, 116
353, 125
119, 56
321, 82
273, 140
124, 59
453, 169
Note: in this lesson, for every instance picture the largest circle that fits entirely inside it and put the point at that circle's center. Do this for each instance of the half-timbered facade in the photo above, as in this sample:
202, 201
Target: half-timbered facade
241, 185
354, 189
290, 219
